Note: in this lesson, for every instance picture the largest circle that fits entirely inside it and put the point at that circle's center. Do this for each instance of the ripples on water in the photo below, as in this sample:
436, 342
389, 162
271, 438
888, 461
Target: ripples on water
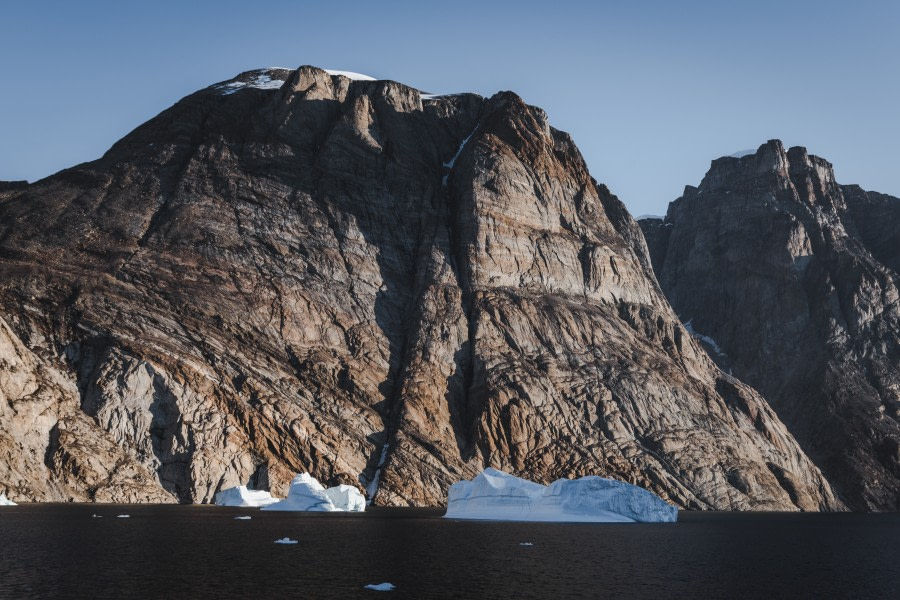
60, 551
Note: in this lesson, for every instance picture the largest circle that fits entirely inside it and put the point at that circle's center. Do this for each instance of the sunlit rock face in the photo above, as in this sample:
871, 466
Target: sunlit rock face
339, 276
792, 282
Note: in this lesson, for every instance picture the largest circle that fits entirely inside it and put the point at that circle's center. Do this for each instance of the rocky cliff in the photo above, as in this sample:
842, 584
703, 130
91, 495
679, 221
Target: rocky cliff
791, 280
296, 270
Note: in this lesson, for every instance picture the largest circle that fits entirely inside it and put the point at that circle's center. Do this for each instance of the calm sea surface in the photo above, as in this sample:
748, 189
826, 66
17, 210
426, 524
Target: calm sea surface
60, 551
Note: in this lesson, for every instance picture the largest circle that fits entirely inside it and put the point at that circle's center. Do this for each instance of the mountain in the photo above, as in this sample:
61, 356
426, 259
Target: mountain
794, 279
298, 270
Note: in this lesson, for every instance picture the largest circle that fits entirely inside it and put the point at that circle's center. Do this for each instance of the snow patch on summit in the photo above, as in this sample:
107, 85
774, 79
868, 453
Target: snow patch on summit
351, 75
262, 80
272, 78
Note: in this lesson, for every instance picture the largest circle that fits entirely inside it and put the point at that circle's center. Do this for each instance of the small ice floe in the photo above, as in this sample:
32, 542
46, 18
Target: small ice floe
285, 540
526, 544
4, 501
381, 587
96, 516
243, 518
123, 516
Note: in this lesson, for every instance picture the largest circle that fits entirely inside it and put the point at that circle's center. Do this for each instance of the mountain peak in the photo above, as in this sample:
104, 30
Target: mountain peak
270, 78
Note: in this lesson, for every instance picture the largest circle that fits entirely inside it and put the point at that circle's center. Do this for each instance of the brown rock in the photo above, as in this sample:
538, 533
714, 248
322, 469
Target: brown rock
341, 277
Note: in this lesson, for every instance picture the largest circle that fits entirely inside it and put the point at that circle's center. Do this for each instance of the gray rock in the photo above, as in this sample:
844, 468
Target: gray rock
795, 278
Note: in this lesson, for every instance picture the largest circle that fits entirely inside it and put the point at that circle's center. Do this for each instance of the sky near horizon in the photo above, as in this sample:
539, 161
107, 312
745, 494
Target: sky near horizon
651, 91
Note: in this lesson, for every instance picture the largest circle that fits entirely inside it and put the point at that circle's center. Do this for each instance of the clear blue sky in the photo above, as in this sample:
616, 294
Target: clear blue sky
650, 90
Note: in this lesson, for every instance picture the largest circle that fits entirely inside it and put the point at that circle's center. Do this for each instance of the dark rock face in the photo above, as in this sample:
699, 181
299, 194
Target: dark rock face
795, 279
11, 186
339, 276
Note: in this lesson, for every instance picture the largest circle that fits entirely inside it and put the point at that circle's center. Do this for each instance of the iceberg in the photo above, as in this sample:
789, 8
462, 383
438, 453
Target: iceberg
4, 501
346, 498
381, 587
241, 496
307, 494
499, 496
285, 540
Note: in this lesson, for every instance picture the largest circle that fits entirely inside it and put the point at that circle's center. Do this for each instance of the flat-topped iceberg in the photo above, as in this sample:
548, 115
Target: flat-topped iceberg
4, 501
241, 496
495, 495
307, 494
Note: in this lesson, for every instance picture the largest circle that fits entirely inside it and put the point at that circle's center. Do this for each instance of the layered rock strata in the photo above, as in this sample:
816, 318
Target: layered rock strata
386, 290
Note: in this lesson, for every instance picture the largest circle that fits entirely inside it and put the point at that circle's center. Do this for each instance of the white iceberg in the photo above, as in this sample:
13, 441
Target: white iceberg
4, 501
286, 540
495, 495
307, 494
123, 517
381, 587
346, 498
241, 496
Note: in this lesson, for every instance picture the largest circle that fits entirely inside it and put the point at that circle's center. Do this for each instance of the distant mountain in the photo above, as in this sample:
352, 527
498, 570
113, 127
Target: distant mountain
298, 271
795, 278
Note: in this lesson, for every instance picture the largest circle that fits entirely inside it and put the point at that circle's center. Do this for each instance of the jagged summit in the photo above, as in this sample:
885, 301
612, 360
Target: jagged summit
795, 278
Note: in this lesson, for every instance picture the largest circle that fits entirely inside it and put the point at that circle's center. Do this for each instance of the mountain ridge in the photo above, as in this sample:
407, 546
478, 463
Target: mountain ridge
324, 277
795, 276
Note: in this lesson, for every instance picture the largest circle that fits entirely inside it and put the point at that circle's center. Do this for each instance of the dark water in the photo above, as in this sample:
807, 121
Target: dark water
59, 551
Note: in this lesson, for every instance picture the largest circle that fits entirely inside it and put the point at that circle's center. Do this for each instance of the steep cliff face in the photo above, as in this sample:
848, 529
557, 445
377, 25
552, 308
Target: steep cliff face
385, 289
794, 279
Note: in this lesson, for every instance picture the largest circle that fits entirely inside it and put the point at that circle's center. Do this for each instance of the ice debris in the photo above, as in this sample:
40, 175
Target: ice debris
95, 516
526, 544
4, 501
381, 587
307, 494
242, 518
285, 540
241, 496
123, 517
495, 495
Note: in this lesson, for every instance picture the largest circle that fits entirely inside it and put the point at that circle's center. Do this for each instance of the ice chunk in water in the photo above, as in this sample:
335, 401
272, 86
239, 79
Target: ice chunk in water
381, 587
